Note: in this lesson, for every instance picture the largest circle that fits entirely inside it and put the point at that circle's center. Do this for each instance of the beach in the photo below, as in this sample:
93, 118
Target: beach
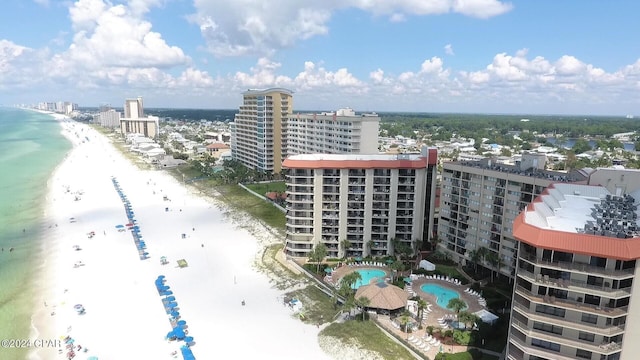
92, 264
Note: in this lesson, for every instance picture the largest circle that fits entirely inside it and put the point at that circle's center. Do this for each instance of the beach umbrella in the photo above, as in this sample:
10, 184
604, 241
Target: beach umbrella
170, 298
188, 339
182, 323
119, 226
166, 292
358, 258
389, 261
328, 270
175, 314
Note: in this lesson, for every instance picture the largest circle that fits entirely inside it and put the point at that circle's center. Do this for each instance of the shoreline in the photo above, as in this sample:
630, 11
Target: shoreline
223, 258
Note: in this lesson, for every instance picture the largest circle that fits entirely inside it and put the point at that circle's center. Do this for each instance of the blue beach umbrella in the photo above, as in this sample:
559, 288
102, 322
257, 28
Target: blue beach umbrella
188, 339
175, 314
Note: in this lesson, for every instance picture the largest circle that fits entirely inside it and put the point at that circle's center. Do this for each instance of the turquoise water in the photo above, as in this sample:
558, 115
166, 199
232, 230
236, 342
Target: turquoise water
31, 146
367, 275
442, 294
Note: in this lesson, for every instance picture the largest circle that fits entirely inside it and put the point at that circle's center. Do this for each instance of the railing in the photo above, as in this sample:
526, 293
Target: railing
569, 284
607, 331
604, 348
538, 351
574, 266
573, 304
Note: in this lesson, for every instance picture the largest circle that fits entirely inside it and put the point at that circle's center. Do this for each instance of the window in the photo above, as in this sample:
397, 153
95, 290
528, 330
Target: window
547, 328
545, 344
586, 336
589, 318
550, 310
583, 354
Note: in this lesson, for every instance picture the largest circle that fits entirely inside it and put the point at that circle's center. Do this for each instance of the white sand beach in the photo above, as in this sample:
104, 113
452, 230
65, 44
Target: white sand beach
125, 317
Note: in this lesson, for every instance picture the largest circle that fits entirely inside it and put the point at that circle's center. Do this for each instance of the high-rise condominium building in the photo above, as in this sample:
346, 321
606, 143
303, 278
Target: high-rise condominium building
339, 132
575, 295
256, 132
358, 204
479, 201
134, 121
109, 118
133, 108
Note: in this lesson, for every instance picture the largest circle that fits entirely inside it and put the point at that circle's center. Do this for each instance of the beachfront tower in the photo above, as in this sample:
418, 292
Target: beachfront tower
575, 295
133, 108
358, 204
336, 132
256, 132
479, 201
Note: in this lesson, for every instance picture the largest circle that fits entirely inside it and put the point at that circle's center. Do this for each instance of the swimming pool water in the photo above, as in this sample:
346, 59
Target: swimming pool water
367, 275
442, 294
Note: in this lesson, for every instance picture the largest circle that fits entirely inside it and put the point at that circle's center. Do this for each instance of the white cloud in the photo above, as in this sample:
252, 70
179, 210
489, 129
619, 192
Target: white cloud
234, 28
448, 49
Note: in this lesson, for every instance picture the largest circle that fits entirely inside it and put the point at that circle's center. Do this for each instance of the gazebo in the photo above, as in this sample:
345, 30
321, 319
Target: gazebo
383, 296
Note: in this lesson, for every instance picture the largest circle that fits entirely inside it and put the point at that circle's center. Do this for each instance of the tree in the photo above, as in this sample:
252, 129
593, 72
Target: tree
396, 266
475, 256
456, 304
344, 245
317, 254
348, 281
362, 302
405, 319
494, 260
421, 306
467, 318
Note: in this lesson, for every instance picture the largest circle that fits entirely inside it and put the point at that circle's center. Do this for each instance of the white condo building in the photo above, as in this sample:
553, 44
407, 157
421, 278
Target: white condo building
340, 132
367, 200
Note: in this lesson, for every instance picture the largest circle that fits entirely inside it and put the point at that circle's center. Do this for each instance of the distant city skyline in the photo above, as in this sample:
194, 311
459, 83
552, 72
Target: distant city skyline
448, 56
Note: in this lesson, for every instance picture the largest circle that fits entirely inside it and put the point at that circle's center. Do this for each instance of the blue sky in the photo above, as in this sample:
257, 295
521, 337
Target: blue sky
487, 56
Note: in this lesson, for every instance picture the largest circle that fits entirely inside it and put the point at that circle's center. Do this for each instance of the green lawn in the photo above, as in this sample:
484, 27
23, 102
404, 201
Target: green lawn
277, 186
239, 199
367, 336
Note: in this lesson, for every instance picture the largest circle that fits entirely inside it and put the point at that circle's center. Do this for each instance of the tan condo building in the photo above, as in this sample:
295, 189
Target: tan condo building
256, 132
358, 204
575, 295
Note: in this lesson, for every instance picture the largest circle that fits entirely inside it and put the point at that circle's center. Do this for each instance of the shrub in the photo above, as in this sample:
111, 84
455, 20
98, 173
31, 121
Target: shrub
462, 337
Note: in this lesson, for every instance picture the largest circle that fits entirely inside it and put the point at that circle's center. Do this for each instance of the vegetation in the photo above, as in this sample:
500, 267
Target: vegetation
317, 254
263, 188
239, 199
471, 354
365, 334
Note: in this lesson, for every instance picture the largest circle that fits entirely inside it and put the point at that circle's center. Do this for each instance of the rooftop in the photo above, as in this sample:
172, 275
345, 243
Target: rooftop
360, 161
555, 176
582, 219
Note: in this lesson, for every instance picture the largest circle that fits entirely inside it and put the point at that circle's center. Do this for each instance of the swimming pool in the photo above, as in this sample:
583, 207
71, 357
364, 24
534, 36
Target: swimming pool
367, 275
442, 294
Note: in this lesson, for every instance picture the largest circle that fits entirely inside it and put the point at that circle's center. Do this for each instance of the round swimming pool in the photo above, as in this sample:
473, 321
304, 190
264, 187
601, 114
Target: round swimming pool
442, 294
367, 275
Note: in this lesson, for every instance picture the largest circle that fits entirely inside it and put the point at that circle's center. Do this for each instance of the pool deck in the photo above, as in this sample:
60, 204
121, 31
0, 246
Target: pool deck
431, 319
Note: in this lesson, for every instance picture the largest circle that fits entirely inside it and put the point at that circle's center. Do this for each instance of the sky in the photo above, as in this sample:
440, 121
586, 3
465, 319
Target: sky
454, 56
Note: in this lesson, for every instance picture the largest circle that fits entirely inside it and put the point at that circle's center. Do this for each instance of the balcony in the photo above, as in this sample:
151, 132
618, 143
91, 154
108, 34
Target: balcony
537, 351
575, 286
572, 304
579, 267
605, 348
608, 331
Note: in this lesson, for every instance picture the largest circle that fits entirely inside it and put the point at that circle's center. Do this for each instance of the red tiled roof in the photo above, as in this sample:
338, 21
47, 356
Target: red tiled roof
217, 146
577, 243
355, 164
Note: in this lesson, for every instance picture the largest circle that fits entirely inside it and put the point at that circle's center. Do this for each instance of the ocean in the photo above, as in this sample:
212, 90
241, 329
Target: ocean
31, 146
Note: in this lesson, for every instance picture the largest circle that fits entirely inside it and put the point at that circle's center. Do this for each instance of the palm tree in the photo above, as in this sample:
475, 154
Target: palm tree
475, 256
350, 280
362, 302
344, 245
494, 260
349, 304
467, 318
318, 254
395, 267
405, 319
456, 305
421, 306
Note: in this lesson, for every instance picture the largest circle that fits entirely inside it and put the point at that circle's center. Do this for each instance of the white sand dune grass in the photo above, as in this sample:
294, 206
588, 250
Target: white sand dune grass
125, 318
